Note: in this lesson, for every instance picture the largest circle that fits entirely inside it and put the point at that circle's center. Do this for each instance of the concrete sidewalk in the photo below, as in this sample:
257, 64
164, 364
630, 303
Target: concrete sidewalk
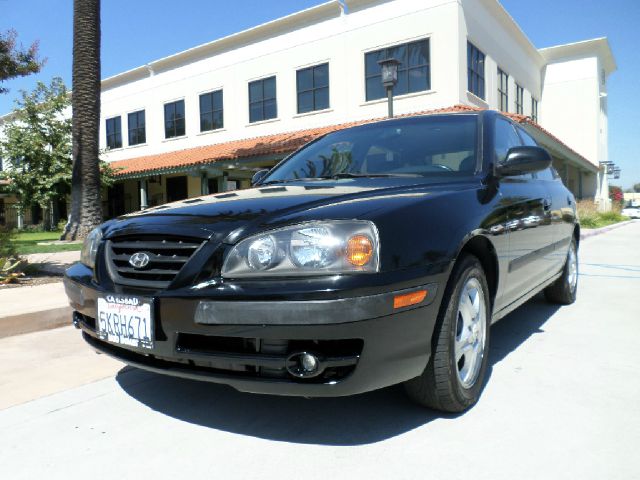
54, 263
30, 309
41, 307
40, 364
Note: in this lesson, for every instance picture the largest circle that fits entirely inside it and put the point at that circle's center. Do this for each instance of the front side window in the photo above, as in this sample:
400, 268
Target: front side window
114, 133
443, 148
534, 109
312, 85
414, 73
503, 91
505, 138
137, 128
262, 100
211, 115
519, 99
174, 123
475, 71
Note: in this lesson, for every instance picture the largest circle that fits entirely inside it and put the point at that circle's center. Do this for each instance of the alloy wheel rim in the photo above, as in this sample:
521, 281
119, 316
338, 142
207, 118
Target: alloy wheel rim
572, 263
471, 329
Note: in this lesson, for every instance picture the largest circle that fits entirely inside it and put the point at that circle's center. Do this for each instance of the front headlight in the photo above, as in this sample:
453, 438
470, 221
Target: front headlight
315, 248
90, 248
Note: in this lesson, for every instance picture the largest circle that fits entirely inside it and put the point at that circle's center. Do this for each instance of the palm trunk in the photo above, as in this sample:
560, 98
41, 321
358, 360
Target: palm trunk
86, 207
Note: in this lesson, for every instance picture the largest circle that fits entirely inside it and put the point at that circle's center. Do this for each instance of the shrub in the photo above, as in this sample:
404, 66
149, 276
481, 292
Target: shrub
590, 217
10, 270
7, 248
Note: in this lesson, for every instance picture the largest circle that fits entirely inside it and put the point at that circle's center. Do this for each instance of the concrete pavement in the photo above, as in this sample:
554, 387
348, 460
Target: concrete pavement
54, 263
40, 364
41, 307
30, 309
561, 402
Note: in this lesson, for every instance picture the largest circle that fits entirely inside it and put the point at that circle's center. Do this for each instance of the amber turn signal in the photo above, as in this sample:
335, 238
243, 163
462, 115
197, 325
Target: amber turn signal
408, 299
359, 250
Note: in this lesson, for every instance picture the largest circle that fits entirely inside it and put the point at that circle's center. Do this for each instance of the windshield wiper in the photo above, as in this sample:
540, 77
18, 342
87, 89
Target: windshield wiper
289, 180
337, 176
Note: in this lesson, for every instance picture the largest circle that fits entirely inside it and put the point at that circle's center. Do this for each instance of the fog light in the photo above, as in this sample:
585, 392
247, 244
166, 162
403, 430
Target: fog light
303, 365
309, 362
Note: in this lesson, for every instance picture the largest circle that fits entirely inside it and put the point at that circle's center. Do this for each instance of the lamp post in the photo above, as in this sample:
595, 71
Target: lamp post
389, 79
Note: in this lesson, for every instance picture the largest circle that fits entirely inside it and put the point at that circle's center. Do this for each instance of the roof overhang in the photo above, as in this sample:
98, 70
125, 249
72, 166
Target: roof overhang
598, 47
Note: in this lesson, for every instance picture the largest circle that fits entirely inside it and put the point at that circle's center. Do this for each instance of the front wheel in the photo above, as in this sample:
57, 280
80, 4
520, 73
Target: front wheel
453, 378
563, 291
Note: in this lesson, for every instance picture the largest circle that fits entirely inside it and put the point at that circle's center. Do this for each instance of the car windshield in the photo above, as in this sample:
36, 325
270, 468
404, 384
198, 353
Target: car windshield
439, 146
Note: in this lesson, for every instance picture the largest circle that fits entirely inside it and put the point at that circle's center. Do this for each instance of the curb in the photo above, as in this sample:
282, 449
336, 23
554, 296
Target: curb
35, 321
597, 231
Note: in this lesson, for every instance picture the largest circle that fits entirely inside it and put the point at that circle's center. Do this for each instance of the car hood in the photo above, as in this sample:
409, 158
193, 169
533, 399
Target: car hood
231, 215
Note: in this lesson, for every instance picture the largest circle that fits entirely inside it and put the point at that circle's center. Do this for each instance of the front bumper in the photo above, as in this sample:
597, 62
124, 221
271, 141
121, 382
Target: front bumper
364, 343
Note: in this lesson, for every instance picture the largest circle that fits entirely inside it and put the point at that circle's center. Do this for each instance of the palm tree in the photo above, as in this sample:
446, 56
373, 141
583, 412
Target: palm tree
86, 207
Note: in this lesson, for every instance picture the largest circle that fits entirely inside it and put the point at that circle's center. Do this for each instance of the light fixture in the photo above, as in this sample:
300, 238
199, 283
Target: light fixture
389, 68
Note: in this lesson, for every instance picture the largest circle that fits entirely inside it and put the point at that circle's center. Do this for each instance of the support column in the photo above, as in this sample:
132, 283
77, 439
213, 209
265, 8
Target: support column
579, 184
222, 182
144, 203
204, 183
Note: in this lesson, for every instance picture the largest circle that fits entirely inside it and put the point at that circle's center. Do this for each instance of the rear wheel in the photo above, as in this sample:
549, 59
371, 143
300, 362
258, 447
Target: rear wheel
453, 378
565, 288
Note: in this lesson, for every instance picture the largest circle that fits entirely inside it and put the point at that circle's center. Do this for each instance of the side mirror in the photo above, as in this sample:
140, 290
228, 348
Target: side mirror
522, 160
259, 175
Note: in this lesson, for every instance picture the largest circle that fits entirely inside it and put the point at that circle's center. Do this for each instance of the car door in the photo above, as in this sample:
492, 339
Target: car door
529, 224
561, 213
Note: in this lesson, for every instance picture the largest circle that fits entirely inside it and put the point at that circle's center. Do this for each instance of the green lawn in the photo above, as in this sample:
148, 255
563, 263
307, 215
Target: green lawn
27, 242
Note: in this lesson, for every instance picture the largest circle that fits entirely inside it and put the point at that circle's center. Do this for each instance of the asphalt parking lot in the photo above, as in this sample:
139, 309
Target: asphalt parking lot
561, 401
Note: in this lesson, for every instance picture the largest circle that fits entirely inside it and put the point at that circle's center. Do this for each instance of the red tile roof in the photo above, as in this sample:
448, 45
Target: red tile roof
279, 143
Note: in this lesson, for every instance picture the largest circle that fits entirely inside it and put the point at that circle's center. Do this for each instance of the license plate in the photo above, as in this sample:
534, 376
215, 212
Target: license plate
125, 320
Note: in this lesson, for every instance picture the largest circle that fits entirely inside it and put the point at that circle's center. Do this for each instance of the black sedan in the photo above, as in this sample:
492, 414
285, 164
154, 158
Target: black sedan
374, 255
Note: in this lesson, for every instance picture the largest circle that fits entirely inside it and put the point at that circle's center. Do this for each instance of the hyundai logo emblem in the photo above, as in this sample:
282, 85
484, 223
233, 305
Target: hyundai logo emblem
139, 260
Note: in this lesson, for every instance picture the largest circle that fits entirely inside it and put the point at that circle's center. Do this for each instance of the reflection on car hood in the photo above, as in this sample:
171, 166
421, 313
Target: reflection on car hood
216, 215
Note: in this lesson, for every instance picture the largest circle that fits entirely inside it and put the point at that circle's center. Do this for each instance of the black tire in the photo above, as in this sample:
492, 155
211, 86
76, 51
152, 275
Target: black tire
562, 291
439, 387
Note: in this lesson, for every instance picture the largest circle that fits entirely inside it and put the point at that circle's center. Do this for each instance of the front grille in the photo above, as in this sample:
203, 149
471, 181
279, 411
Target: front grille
167, 256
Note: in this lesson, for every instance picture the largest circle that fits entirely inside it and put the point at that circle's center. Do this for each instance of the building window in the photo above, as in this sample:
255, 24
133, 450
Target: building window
503, 90
312, 85
174, 119
137, 130
262, 100
534, 109
211, 117
475, 71
413, 72
519, 99
114, 133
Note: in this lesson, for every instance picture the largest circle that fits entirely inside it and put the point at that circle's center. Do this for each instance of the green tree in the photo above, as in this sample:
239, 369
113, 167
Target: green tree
16, 61
37, 146
86, 207
636, 188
